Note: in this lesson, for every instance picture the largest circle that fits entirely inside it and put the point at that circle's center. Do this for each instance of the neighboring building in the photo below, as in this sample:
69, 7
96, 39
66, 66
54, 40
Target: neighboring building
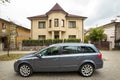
112, 30
57, 23
12, 33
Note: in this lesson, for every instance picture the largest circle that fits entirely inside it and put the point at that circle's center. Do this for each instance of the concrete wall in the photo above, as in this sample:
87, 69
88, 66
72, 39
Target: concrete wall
23, 34
110, 32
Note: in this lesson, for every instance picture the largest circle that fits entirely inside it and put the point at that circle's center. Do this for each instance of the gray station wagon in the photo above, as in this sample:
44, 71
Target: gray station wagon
81, 57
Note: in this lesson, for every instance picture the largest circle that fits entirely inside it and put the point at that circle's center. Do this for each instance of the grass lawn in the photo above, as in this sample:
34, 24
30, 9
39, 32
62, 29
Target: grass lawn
10, 57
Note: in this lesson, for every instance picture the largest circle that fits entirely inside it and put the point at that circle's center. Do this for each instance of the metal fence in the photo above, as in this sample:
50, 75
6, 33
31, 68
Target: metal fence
102, 45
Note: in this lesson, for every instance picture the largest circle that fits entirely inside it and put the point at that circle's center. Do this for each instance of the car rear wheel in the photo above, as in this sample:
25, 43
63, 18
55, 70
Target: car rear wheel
86, 70
25, 70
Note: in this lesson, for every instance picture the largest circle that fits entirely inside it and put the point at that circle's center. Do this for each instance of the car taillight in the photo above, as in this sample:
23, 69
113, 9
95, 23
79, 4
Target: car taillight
100, 55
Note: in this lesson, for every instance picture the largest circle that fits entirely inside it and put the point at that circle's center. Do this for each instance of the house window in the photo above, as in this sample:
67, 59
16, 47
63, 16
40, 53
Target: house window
41, 24
50, 23
3, 26
72, 36
72, 24
56, 22
62, 23
41, 37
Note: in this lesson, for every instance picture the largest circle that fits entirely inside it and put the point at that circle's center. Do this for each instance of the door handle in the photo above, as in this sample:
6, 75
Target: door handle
55, 58
77, 57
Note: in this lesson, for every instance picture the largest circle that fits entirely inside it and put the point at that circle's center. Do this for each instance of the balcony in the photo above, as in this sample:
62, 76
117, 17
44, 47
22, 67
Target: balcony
57, 29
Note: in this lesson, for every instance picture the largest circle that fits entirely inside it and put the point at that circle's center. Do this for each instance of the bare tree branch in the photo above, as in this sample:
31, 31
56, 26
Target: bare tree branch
4, 1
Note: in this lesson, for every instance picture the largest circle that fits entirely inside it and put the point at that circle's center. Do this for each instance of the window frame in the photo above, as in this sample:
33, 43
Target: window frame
4, 26
71, 25
62, 23
43, 23
56, 22
42, 37
72, 36
50, 23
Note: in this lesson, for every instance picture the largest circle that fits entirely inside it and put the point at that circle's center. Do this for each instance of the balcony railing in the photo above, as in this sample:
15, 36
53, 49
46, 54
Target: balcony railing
56, 29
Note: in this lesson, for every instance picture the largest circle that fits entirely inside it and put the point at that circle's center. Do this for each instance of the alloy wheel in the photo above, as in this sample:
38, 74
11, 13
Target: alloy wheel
87, 70
25, 70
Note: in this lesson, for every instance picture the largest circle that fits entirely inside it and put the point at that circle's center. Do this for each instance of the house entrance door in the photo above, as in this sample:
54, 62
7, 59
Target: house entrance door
56, 36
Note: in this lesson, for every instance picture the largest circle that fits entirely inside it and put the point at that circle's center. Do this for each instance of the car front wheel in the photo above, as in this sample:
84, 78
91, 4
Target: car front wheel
86, 70
25, 70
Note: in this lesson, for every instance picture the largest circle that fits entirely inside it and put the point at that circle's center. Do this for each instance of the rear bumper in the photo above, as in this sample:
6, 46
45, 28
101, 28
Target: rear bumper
99, 65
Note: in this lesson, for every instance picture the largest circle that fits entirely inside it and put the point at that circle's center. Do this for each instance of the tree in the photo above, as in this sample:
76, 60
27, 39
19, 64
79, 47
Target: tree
97, 34
86, 37
4, 1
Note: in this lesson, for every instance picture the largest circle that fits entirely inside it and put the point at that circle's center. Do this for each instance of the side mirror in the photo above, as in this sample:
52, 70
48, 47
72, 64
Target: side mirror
38, 55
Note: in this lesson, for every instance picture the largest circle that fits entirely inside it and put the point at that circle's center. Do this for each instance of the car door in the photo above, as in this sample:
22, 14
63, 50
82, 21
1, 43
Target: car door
69, 58
49, 60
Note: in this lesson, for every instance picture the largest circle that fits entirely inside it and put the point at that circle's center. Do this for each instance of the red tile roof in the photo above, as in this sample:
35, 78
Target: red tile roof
74, 16
56, 7
38, 16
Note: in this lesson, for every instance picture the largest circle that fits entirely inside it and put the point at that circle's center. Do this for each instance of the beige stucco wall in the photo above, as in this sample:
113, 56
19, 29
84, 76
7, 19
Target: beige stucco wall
36, 31
75, 31
59, 15
78, 31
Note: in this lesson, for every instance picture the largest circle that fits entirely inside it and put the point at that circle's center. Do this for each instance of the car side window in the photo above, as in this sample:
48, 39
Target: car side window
77, 49
51, 51
69, 49
87, 49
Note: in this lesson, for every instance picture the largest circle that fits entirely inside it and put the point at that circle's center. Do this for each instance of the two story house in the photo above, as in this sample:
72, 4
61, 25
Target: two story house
12, 34
57, 24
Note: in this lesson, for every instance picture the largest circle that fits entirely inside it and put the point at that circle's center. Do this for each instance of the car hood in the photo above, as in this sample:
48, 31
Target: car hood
28, 56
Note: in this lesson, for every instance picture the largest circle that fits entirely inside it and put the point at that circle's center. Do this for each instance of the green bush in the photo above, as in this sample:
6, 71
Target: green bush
47, 42
57, 41
72, 40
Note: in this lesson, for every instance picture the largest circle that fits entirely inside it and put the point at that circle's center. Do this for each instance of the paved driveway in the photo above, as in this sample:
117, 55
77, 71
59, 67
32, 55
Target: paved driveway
110, 71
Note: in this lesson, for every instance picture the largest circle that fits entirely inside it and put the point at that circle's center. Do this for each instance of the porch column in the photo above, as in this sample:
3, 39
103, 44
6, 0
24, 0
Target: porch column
60, 35
52, 34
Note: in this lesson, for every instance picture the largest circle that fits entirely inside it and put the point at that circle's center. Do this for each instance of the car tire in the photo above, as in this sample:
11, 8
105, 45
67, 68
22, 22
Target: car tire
25, 70
86, 70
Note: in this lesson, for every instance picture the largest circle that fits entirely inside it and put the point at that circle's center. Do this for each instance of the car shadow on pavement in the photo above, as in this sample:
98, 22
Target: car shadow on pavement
55, 73
97, 73
58, 74
61, 74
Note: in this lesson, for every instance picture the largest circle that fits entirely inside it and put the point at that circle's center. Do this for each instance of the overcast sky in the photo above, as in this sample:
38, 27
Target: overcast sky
99, 12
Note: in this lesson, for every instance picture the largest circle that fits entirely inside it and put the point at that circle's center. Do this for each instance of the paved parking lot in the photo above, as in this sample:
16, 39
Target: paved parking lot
110, 71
